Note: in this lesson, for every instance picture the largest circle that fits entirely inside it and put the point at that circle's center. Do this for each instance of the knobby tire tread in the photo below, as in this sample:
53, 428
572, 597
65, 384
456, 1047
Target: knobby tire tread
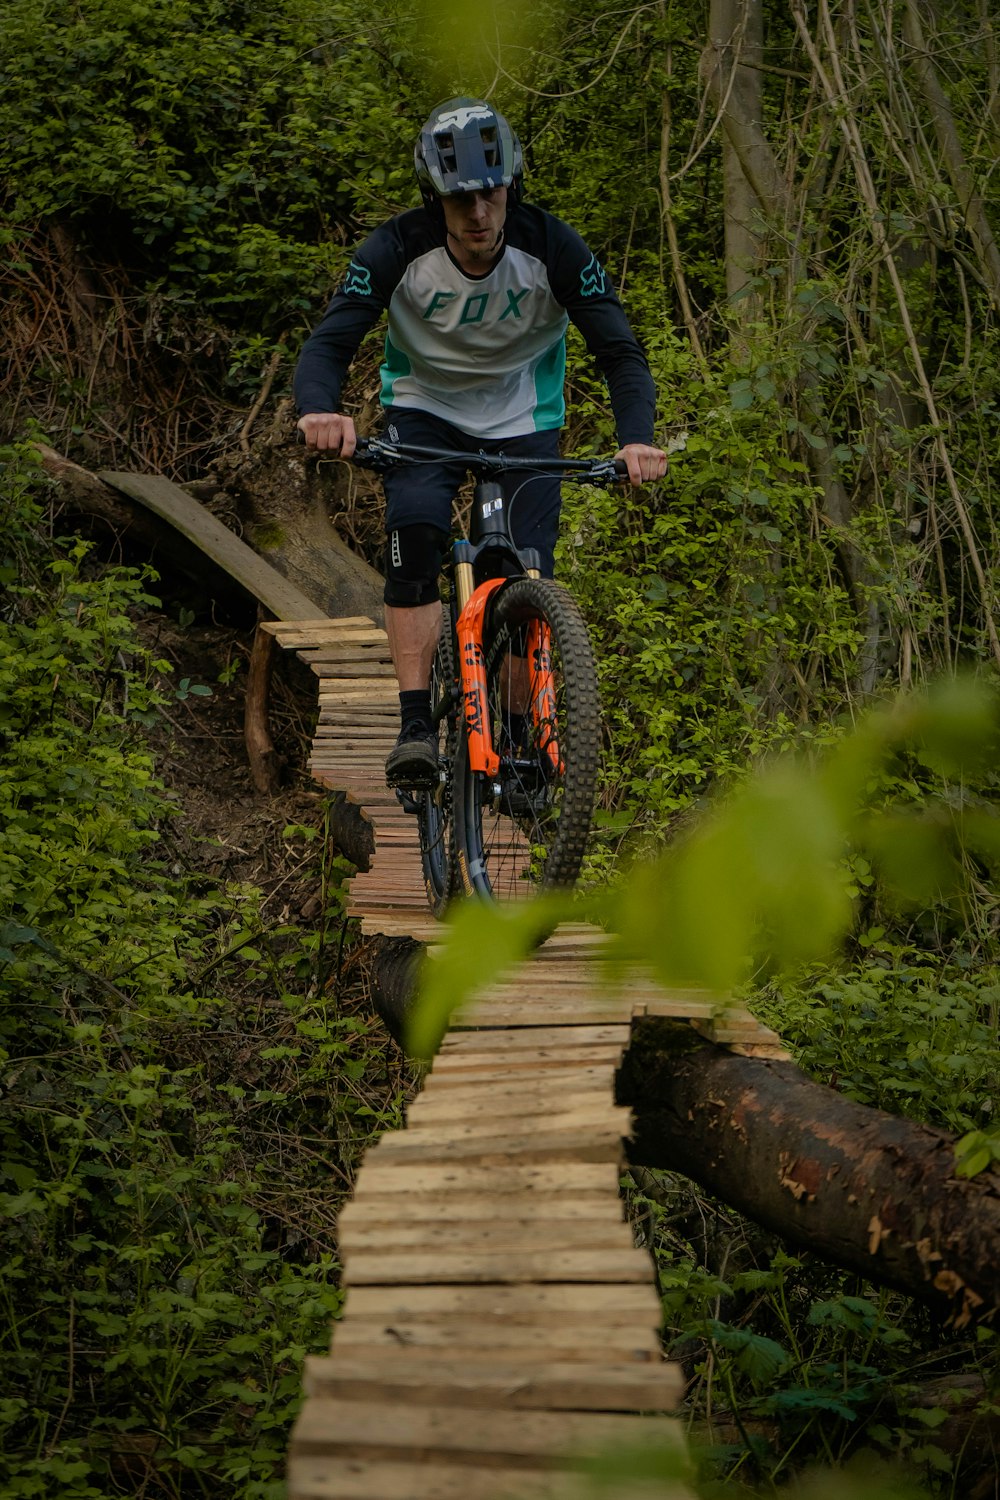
435, 811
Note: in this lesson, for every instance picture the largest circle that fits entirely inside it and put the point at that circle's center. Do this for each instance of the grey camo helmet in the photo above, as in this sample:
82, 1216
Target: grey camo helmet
464, 145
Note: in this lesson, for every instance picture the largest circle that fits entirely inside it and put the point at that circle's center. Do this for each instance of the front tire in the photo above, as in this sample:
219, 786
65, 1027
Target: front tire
434, 807
526, 829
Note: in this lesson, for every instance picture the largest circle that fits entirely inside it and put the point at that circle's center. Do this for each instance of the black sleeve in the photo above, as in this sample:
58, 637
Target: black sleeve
356, 307
581, 284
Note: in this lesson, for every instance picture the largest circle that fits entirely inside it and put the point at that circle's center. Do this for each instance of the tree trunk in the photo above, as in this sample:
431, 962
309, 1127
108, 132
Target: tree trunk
873, 1192
736, 32
284, 500
302, 545
970, 202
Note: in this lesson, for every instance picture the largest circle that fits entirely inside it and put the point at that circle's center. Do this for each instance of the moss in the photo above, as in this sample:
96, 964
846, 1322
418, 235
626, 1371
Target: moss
268, 537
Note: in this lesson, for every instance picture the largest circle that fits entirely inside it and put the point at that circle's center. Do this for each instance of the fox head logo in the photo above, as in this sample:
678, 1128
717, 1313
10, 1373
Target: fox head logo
592, 278
458, 118
358, 280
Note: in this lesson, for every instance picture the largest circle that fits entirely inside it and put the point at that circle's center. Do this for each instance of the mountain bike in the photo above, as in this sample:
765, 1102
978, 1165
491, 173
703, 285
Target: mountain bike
513, 697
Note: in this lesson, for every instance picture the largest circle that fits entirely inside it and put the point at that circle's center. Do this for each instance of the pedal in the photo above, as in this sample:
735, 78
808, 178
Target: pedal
407, 799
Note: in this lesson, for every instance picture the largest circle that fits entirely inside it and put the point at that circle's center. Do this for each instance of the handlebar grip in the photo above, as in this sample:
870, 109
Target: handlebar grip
621, 468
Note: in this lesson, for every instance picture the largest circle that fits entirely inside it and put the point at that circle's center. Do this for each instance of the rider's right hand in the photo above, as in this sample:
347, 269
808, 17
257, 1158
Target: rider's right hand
329, 432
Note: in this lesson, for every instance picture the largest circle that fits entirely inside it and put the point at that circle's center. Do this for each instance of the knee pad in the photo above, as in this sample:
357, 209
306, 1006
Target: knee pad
412, 564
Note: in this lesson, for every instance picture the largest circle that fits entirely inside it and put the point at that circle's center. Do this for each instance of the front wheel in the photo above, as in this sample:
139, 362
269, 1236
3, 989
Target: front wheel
525, 829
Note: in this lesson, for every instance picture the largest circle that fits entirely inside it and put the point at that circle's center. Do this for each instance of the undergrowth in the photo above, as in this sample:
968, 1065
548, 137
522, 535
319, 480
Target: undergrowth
185, 1092
790, 1359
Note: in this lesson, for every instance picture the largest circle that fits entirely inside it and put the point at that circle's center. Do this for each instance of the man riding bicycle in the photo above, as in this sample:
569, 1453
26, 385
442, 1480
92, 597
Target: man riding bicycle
479, 287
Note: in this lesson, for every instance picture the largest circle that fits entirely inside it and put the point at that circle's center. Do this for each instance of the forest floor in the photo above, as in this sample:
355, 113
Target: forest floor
226, 830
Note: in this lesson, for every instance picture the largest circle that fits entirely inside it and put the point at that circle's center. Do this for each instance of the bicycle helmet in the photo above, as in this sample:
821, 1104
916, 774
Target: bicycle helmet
466, 145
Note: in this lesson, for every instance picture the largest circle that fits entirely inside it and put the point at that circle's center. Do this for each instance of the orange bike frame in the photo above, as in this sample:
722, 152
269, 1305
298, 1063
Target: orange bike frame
472, 669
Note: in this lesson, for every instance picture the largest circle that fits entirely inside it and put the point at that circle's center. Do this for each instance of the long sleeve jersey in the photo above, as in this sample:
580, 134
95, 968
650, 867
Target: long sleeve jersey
486, 353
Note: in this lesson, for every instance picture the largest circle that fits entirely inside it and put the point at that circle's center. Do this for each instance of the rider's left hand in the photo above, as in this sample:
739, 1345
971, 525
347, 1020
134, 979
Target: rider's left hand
644, 462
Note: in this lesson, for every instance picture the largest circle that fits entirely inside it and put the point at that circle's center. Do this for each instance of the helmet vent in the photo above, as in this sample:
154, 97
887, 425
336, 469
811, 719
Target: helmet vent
445, 143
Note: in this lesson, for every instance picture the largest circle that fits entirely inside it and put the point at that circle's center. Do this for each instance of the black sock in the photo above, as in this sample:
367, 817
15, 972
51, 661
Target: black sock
415, 707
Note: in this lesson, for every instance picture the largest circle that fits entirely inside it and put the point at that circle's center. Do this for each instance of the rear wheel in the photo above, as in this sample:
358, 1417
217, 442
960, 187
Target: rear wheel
526, 828
434, 806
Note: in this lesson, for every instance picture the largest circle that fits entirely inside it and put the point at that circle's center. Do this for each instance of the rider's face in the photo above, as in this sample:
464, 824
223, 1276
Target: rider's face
475, 223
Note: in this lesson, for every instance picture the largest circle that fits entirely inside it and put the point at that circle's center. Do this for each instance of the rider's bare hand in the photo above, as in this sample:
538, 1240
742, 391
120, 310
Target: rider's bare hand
644, 462
329, 432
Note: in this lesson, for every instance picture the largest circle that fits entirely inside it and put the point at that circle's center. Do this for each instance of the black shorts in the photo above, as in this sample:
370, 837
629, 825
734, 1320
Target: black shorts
425, 492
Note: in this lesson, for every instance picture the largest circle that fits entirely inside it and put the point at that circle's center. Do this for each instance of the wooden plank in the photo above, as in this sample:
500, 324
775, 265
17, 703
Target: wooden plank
540, 1012
532, 1305
315, 622
193, 521
547, 1109
528, 1085
502, 1266
584, 1034
514, 1066
384, 1174
315, 1477
556, 1387
341, 635
575, 1142
494, 1437
483, 1236
482, 1344
415, 1208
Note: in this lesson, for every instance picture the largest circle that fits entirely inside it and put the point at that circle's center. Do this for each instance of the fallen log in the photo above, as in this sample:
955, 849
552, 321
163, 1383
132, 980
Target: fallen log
352, 831
866, 1190
873, 1192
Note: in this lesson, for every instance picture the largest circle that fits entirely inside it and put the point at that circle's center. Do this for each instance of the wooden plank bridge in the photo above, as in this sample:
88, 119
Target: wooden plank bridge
500, 1324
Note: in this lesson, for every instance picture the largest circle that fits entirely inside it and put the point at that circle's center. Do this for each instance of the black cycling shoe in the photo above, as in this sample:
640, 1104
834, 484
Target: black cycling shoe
413, 760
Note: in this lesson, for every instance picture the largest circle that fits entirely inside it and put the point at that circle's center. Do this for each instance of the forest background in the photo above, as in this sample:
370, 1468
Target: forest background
796, 202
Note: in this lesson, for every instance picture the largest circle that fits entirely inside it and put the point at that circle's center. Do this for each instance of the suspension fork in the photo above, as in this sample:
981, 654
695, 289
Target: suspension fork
472, 673
543, 697
473, 604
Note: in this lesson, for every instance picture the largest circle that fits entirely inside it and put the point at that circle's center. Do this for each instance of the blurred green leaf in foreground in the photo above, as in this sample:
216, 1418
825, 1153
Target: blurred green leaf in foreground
762, 880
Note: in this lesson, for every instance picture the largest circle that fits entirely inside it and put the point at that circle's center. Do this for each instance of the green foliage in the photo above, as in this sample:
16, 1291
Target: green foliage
216, 136
793, 1362
901, 1033
163, 1263
699, 595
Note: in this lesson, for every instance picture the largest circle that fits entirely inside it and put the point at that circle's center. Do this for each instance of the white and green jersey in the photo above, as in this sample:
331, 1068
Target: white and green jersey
486, 353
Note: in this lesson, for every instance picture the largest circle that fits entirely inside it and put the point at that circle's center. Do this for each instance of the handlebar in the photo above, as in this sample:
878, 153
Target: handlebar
380, 454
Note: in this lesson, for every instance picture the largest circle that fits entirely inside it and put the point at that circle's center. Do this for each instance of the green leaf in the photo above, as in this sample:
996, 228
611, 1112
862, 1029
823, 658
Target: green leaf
482, 941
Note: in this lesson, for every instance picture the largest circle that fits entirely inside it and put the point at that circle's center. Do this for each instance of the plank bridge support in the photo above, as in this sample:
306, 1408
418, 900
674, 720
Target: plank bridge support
500, 1324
